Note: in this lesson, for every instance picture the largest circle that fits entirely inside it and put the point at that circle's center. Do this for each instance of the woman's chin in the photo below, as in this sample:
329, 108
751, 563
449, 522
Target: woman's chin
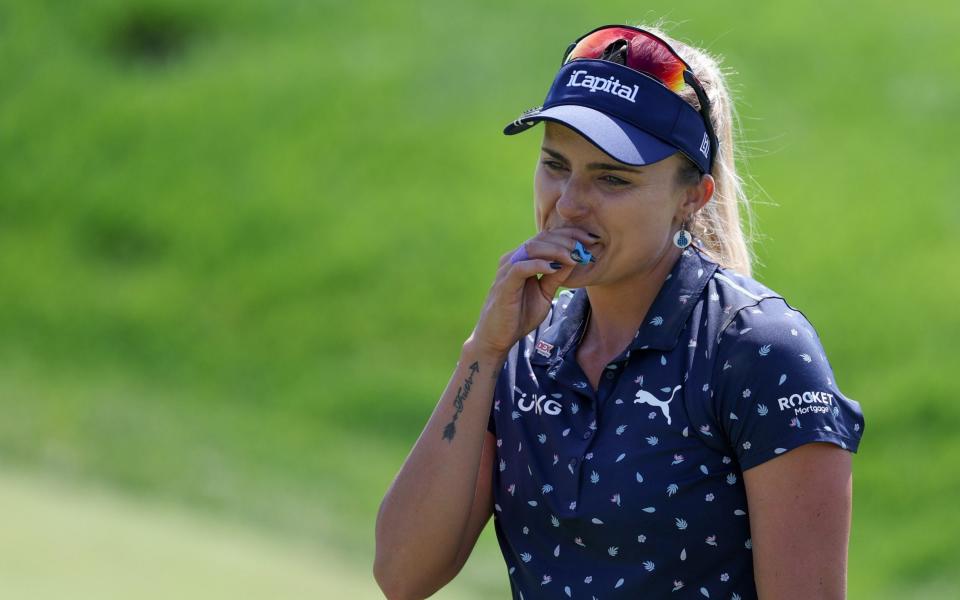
581, 276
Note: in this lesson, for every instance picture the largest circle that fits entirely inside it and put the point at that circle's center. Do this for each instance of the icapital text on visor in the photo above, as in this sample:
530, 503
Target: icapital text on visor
609, 85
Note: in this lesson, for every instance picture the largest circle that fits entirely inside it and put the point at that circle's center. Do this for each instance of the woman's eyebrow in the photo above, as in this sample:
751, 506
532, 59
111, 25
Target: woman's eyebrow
593, 166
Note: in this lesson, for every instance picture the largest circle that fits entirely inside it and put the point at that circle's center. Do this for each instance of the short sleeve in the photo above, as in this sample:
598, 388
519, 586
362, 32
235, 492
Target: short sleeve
775, 389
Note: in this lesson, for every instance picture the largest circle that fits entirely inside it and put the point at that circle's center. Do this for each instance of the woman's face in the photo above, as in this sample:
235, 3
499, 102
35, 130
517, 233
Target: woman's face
635, 211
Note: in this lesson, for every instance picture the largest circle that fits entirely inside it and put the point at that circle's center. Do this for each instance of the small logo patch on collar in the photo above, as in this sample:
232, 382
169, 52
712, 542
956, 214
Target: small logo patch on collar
544, 349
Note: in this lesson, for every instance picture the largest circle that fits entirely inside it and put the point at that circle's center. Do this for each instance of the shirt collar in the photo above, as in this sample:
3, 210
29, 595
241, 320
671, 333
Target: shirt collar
665, 320
565, 328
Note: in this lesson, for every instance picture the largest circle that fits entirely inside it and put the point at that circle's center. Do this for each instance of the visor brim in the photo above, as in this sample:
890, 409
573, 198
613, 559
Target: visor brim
621, 140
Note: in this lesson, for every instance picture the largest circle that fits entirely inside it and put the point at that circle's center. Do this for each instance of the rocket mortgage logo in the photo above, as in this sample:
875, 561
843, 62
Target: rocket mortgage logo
807, 402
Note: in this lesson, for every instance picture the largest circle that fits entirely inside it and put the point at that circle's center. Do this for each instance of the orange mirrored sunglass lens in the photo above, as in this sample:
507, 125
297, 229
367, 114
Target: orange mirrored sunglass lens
645, 53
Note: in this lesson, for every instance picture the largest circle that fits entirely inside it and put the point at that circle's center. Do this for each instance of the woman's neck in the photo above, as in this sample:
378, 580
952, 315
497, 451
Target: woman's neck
617, 311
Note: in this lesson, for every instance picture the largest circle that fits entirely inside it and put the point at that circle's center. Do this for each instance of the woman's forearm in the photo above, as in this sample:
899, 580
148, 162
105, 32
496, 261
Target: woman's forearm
422, 518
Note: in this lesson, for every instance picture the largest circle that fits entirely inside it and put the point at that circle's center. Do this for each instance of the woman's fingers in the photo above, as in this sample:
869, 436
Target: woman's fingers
551, 251
551, 282
506, 256
556, 244
517, 273
567, 239
568, 236
522, 280
526, 280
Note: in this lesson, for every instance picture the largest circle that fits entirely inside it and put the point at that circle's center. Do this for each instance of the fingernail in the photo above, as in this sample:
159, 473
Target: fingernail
575, 255
556, 265
594, 236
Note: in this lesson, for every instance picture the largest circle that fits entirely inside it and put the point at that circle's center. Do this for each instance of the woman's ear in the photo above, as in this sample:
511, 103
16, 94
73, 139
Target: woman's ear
697, 196
704, 190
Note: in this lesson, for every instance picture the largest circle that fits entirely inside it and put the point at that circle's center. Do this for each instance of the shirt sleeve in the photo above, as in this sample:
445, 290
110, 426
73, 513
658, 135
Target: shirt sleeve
775, 388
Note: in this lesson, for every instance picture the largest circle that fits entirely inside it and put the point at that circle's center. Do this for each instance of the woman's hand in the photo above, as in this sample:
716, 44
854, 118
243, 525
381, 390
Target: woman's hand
519, 300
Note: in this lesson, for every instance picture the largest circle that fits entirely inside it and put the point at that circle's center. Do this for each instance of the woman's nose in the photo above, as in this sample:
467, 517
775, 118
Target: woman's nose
574, 202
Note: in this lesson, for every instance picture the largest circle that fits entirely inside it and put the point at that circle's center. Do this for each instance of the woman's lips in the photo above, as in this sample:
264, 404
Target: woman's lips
597, 248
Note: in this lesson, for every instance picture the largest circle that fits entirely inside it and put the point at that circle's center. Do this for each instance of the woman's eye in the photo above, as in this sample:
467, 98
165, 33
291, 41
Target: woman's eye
614, 180
553, 165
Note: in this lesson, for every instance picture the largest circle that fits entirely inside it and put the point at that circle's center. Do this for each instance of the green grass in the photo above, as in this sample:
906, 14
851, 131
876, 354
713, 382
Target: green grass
241, 243
74, 541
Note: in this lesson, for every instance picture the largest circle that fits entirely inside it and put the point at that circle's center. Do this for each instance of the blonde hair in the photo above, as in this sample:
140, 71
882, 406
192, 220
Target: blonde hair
717, 224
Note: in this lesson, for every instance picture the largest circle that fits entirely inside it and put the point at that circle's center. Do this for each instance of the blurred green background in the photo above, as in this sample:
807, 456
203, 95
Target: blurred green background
242, 241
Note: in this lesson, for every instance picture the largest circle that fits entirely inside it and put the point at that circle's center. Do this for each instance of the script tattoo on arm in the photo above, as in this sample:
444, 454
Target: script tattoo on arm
451, 429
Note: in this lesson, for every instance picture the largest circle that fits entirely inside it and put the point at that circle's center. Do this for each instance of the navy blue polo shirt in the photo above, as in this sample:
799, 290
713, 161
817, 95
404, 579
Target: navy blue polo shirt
635, 490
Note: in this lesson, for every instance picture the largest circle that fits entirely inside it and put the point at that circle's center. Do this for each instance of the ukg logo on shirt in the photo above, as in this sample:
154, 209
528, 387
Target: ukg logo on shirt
610, 85
807, 402
538, 404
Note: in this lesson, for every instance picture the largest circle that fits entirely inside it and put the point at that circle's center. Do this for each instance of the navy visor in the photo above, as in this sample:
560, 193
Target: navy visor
626, 113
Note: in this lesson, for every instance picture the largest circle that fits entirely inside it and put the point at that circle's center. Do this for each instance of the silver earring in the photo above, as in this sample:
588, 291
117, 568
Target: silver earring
682, 238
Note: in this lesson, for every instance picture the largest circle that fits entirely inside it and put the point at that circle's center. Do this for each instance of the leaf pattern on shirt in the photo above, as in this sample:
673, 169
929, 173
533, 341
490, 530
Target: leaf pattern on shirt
654, 502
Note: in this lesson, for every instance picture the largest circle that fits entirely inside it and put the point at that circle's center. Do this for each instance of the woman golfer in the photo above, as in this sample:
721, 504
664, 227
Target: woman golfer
666, 426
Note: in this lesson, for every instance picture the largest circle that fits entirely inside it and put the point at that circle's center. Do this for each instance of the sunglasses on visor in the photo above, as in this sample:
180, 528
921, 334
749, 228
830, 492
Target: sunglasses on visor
646, 53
